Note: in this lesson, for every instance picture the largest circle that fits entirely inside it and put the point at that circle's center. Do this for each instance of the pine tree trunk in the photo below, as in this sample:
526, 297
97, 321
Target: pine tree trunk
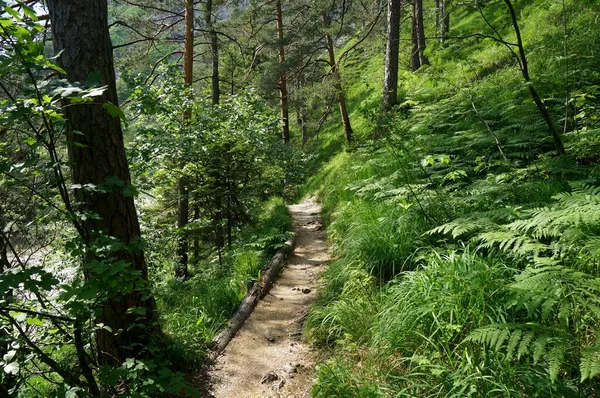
418, 57
285, 131
4, 263
218, 227
436, 7
9, 380
421, 32
390, 76
338, 83
183, 211
445, 20
214, 48
301, 119
196, 242
183, 202
415, 60
97, 153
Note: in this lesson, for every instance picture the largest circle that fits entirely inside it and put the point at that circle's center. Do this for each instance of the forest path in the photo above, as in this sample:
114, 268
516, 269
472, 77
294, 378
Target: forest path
267, 358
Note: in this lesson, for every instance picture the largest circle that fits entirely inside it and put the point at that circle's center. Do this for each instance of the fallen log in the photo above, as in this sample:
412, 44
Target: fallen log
256, 293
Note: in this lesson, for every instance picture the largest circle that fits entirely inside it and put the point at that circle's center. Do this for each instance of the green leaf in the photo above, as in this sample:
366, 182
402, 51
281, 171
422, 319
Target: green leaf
6, 23
29, 12
13, 12
35, 321
72, 393
55, 67
114, 110
93, 79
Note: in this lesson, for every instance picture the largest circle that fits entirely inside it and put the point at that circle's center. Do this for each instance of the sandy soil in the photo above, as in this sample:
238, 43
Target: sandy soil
268, 358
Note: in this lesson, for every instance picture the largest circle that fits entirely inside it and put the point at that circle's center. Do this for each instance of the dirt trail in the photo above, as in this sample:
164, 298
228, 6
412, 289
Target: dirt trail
267, 358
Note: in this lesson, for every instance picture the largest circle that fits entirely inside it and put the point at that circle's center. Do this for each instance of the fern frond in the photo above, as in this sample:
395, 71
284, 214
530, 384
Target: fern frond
525, 343
540, 343
511, 241
589, 365
556, 359
460, 227
539, 348
513, 342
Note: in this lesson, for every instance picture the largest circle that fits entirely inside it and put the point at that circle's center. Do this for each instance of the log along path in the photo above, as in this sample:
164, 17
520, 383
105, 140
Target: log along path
268, 358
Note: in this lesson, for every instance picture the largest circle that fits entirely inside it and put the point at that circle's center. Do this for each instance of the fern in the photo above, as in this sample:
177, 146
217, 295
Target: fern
589, 366
562, 310
479, 221
541, 343
460, 227
567, 228
511, 241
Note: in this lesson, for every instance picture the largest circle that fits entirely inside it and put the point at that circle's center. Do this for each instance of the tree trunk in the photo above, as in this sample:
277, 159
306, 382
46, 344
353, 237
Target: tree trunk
418, 57
285, 131
436, 7
338, 83
183, 211
229, 224
214, 48
415, 61
301, 119
218, 228
390, 76
196, 242
4, 263
523, 65
183, 202
9, 380
301, 111
97, 157
445, 20
421, 32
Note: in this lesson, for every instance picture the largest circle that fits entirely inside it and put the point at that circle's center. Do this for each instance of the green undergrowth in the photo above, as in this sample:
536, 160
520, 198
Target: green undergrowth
195, 309
467, 249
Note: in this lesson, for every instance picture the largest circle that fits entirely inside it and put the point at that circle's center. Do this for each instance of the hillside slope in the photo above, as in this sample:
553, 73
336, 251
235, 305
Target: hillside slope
467, 247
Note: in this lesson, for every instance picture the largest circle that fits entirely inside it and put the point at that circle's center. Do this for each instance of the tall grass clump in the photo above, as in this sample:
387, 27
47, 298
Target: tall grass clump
347, 307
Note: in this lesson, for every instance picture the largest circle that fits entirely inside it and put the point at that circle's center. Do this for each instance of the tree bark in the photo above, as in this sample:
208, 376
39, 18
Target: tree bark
183, 202
218, 227
418, 57
338, 83
390, 76
437, 10
214, 49
301, 111
9, 380
444, 20
4, 263
301, 119
183, 211
285, 130
97, 156
415, 61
